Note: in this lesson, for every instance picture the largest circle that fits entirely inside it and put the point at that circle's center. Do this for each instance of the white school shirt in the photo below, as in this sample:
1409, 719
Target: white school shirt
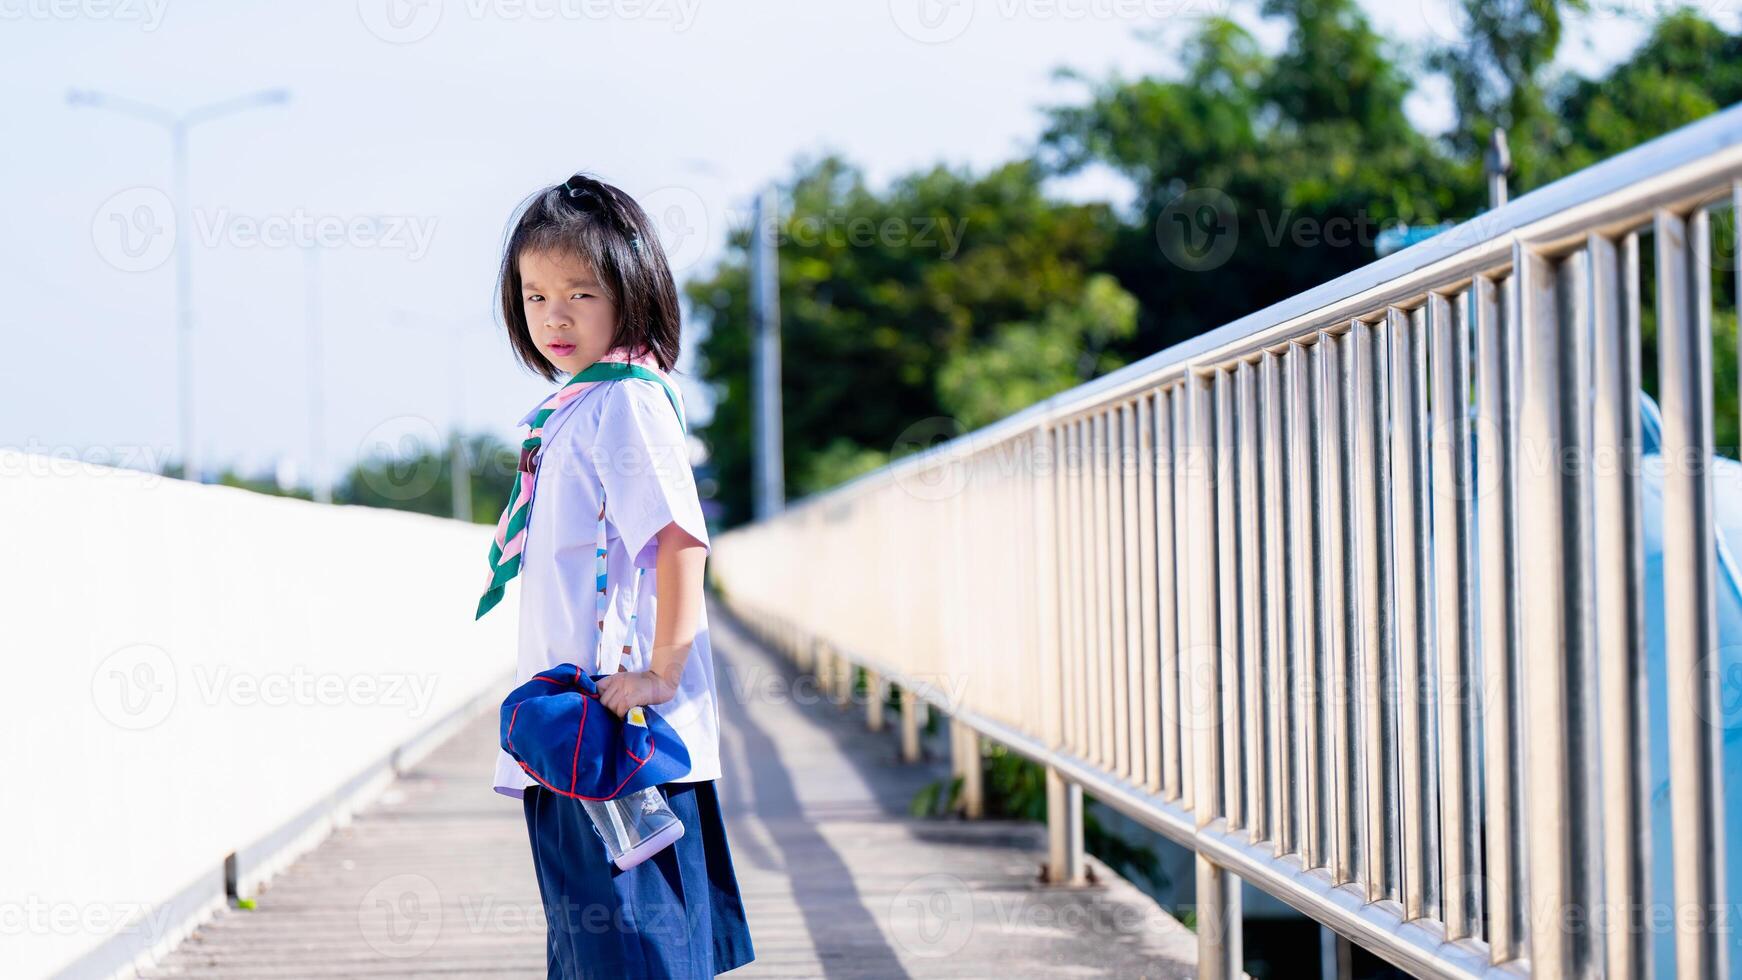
622, 433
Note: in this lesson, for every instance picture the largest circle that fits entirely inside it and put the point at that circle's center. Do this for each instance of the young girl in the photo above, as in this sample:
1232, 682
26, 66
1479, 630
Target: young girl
612, 556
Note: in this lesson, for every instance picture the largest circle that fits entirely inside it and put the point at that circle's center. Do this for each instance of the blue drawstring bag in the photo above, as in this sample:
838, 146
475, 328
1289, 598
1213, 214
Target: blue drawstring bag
557, 730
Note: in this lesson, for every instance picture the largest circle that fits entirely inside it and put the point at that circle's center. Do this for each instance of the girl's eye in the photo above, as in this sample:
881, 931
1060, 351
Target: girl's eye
581, 295
533, 298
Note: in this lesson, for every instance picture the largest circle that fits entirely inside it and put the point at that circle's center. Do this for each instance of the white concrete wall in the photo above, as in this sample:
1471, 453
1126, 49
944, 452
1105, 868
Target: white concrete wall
185, 668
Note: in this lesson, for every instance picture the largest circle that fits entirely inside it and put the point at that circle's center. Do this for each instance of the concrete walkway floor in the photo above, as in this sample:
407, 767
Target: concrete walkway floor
435, 878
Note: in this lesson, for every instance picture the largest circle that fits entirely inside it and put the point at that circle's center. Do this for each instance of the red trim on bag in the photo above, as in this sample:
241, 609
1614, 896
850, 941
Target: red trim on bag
574, 767
574, 773
578, 796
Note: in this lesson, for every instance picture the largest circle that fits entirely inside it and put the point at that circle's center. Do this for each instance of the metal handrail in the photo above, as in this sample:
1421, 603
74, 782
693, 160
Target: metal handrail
1207, 587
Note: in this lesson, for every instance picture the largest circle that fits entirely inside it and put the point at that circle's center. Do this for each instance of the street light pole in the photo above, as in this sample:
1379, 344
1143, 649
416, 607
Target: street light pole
769, 478
319, 480
1498, 164
178, 127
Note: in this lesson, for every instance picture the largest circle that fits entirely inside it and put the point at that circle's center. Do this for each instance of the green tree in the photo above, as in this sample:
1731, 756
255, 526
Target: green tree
946, 301
1688, 68
421, 480
1501, 75
1257, 176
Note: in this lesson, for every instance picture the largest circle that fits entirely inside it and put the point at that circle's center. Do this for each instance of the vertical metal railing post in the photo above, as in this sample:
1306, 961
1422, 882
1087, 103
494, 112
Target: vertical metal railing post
1497, 520
965, 745
1064, 829
1220, 942
1374, 653
1454, 606
909, 726
874, 694
1684, 303
1555, 585
1225, 610
1619, 551
1218, 891
1281, 718
1248, 541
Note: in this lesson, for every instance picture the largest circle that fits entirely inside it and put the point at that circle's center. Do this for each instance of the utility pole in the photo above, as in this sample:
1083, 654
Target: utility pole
768, 452
320, 479
1498, 163
178, 127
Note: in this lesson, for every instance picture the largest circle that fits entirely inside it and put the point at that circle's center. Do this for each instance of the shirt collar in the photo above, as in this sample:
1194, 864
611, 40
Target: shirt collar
532, 413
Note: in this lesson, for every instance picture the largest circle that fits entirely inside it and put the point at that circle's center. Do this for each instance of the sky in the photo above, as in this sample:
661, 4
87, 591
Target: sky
343, 241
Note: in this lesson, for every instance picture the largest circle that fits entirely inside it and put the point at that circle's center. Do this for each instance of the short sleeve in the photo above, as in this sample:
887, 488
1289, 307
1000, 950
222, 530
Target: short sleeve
642, 459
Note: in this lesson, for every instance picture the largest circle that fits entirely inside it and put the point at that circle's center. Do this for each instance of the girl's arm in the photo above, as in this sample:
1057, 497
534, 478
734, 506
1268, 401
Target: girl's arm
678, 567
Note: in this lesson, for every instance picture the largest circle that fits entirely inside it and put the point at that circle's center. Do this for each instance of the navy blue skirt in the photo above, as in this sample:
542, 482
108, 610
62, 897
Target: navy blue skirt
678, 914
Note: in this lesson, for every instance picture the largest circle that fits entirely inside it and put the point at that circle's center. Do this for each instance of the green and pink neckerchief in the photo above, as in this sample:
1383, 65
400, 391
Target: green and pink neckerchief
510, 539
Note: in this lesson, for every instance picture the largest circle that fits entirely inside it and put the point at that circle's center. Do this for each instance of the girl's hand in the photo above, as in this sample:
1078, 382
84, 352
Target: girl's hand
627, 689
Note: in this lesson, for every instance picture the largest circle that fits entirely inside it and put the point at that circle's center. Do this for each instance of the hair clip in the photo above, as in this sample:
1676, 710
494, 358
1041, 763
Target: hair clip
635, 244
581, 187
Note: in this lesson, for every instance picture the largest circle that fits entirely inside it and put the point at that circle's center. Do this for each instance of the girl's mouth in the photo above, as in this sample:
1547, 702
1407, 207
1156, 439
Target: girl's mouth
562, 350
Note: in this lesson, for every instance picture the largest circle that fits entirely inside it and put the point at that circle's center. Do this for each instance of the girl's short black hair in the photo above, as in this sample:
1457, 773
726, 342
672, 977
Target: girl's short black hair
591, 220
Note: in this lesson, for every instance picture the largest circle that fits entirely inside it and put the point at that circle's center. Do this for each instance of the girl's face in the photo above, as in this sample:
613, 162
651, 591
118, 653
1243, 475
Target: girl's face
568, 314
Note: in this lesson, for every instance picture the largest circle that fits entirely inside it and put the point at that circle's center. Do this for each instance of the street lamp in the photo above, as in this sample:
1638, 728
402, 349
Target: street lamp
178, 126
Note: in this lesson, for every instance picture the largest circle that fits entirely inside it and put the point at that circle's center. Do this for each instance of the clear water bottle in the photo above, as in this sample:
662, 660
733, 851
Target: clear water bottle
634, 826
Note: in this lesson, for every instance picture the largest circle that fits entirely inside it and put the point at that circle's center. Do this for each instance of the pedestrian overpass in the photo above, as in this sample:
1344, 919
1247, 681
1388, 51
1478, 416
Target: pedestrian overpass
1397, 601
